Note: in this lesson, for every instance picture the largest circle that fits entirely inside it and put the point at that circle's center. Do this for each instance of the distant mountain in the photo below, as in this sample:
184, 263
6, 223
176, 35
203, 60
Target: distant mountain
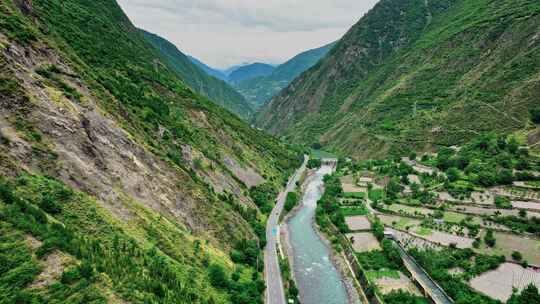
261, 89
417, 74
250, 71
215, 89
233, 68
209, 70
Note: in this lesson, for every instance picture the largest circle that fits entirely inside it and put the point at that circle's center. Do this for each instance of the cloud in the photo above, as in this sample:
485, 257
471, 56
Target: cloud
227, 32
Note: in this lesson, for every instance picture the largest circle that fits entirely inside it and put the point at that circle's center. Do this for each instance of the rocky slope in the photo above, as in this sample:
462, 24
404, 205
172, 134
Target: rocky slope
414, 74
116, 178
259, 90
215, 89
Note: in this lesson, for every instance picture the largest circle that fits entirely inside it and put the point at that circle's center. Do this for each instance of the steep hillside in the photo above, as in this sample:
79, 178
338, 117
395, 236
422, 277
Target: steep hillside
250, 71
415, 73
215, 89
209, 70
118, 183
261, 89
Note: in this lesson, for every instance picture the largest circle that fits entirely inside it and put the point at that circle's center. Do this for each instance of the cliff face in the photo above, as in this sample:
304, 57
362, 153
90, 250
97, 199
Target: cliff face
109, 160
417, 74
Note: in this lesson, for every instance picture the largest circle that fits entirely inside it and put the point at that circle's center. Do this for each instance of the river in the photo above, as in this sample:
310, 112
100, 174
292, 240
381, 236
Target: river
317, 278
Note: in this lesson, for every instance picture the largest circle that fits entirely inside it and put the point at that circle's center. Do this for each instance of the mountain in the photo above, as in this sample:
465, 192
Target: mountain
118, 182
417, 74
215, 89
250, 71
209, 70
259, 90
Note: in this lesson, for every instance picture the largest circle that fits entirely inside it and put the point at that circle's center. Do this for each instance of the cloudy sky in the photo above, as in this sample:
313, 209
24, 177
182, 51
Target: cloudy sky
223, 33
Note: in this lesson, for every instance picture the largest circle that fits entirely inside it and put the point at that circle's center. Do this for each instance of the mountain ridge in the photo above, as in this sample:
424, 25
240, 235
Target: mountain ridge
144, 190
260, 89
378, 91
212, 87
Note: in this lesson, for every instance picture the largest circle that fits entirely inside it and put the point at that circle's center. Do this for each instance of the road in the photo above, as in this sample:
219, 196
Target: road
272, 275
433, 289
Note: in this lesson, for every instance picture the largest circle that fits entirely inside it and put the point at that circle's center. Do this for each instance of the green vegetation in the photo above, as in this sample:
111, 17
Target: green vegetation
357, 195
355, 210
318, 153
291, 290
291, 201
259, 90
503, 202
419, 81
173, 263
264, 196
403, 297
103, 75
438, 263
374, 275
328, 207
387, 259
314, 163
215, 89
527, 296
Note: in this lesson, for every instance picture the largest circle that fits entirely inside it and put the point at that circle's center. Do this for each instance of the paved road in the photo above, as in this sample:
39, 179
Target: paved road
274, 284
433, 289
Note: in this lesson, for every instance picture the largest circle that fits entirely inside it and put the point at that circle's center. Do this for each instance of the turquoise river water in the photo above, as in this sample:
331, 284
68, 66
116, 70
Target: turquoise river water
317, 278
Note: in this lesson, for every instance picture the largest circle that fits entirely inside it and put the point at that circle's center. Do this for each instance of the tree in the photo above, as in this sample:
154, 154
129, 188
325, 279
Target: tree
506, 177
452, 174
489, 239
218, 277
535, 115
528, 296
516, 255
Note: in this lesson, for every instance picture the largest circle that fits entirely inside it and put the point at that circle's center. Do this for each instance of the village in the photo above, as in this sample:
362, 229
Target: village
460, 225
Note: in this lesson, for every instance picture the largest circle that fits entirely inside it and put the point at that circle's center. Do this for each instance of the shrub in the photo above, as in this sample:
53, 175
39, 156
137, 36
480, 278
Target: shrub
489, 239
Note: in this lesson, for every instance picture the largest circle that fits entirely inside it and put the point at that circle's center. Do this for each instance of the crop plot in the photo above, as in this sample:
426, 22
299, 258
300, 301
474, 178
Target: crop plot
364, 241
356, 223
507, 243
388, 281
498, 284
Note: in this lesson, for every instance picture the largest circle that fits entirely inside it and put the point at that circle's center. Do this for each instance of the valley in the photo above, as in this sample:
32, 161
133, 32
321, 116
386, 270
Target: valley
399, 164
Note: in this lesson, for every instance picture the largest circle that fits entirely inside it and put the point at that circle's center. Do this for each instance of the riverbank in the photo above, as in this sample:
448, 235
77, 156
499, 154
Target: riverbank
342, 274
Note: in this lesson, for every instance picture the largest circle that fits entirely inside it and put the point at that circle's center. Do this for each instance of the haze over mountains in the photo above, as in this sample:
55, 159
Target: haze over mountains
201, 79
258, 82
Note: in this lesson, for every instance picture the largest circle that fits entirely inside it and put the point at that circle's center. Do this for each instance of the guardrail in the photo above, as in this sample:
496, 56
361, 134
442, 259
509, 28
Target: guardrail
444, 298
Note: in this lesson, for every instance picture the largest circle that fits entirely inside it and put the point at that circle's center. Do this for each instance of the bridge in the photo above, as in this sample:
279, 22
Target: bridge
422, 278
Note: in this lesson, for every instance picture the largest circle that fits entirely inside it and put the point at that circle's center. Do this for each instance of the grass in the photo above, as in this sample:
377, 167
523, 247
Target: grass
423, 231
453, 217
352, 211
373, 275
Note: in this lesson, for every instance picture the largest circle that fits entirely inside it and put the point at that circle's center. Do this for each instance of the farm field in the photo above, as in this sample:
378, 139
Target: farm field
490, 211
507, 243
388, 281
498, 284
446, 239
398, 222
409, 210
364, 241
526, 205
354, 210
356, 223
